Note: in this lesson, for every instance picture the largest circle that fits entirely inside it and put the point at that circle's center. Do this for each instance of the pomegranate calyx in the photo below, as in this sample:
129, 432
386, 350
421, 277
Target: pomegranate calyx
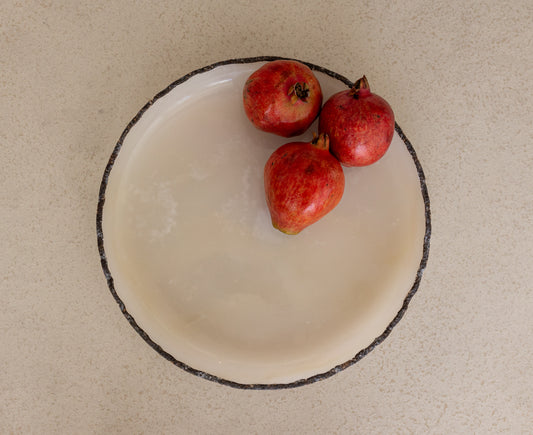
299, 91
320, 141
360, 88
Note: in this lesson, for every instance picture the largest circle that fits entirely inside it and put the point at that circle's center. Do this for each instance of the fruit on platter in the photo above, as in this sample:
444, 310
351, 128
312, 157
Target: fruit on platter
303, 182
282, 97
359, 123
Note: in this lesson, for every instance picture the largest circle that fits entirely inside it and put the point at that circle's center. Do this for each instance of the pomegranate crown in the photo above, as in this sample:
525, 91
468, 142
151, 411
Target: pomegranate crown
299, 91
320, 141
360, 87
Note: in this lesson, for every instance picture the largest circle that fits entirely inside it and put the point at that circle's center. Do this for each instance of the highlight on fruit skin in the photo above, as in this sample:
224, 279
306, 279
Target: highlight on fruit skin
282, 97
303, 183
360, 125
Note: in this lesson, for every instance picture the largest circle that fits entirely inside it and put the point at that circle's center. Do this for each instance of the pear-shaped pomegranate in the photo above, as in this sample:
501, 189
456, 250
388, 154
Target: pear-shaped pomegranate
282, 97
303, 182
360, 125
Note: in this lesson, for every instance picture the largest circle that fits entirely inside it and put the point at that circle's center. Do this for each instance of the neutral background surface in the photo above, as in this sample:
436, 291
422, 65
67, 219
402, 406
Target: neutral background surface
459, 76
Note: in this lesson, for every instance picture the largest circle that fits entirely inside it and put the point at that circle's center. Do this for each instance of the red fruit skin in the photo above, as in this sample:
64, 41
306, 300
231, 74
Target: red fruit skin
268, 101
360, 128
302, 184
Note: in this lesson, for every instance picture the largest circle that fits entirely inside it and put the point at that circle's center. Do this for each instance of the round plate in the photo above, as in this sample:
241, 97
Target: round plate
191, 257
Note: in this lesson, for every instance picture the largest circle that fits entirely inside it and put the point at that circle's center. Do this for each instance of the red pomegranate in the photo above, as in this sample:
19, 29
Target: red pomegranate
303, 182
360, 125
282, 97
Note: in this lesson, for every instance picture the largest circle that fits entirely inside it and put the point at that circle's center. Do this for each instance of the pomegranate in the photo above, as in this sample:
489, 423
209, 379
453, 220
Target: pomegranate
360, 125
303, 182
282, 97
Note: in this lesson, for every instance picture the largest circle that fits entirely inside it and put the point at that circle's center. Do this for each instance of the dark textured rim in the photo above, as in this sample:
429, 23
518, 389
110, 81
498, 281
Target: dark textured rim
204, 375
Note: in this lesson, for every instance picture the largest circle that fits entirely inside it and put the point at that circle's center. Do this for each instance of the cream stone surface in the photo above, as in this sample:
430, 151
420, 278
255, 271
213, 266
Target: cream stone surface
459, 78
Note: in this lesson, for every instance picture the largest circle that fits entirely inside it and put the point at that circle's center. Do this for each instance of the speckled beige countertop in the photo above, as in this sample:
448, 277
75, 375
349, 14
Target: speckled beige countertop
459, 76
